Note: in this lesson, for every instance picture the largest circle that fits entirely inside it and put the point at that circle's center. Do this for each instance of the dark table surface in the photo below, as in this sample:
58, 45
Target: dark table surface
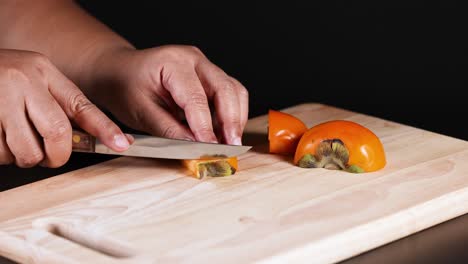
444, 243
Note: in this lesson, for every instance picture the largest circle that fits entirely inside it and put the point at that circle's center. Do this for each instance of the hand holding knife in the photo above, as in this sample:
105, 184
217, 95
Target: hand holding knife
157, 147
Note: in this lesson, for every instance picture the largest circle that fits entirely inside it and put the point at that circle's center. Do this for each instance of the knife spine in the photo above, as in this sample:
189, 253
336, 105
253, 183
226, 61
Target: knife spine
83, 142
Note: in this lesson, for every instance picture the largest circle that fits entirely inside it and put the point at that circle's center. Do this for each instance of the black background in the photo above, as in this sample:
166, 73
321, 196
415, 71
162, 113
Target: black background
404, 62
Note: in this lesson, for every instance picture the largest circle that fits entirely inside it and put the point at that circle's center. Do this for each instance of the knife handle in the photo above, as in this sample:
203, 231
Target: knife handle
83, 142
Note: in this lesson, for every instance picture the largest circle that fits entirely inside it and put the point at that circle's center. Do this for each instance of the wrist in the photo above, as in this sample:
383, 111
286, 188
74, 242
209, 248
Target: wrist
101, 69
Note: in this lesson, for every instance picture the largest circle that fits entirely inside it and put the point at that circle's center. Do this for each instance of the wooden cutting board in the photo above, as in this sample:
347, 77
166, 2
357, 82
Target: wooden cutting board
133, 210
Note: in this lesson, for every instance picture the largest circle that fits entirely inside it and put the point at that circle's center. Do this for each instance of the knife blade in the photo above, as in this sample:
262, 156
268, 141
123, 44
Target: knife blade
157, 147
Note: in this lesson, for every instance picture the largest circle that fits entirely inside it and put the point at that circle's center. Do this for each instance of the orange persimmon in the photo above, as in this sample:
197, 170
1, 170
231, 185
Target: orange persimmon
284, 132
340, 144
211, 166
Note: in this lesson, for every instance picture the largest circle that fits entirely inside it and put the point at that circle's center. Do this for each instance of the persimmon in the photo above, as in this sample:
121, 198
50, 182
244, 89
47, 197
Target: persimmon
217, 166
340, 144
284, 132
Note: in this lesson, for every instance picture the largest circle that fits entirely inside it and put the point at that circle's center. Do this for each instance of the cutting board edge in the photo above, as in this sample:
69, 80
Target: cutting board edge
413, 214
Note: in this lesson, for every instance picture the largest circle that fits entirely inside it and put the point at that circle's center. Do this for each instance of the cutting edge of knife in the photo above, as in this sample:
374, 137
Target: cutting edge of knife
137, 149
143, 144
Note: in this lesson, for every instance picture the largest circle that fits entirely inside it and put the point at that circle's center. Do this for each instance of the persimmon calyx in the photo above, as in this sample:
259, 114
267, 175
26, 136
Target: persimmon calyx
219, 168
330, 154
213, 166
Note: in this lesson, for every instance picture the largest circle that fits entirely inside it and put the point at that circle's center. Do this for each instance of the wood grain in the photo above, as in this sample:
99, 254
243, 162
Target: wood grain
133, 210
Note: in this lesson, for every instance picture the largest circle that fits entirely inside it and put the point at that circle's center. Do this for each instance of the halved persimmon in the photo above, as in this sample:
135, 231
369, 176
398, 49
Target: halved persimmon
284, 132
340, 144
211, 166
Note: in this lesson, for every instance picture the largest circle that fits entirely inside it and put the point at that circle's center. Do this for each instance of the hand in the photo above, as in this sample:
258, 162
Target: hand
36, 103
154, 90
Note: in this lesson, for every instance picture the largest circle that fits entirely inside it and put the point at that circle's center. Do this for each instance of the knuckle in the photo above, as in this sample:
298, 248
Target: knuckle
40, 63
39, 59
195, 49
198, 100
181, 52
31, 159
241, 88
243, 91
166, 76
203, 129
80, 104
230, 87
21, 70
41, 71
170, 132
108, 126
15, 74
231, 121
172, 53
236, 123
58, 130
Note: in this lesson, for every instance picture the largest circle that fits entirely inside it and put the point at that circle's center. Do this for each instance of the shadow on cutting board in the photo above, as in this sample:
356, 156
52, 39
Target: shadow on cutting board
258, 141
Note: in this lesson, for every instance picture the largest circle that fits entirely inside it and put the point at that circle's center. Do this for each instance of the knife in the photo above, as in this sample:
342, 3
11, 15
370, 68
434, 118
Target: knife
157, 147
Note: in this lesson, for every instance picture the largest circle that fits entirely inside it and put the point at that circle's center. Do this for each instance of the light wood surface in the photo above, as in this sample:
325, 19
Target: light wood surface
134, 210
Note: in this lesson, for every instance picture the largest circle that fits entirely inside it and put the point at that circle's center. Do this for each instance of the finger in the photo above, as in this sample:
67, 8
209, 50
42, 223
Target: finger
185, 87
52, 124
130, 138
164, 125
84, 113
219, 86
244, 102
22, 139
5, 154
91, 119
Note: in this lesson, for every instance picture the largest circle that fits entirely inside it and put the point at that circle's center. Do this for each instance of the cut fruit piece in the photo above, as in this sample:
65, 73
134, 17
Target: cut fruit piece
341, 145
211, 166
284, 132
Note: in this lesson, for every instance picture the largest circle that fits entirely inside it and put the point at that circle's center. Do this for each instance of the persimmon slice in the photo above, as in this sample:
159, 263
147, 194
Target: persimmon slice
284, 132
340, 144
211, 166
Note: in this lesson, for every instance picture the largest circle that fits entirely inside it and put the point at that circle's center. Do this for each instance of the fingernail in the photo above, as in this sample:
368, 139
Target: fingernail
121, 142
237, 141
